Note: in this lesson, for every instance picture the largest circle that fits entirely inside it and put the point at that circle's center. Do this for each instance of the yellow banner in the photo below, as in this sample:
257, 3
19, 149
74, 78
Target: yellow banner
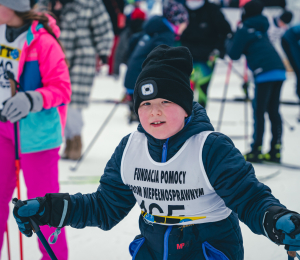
169, 219
9, 52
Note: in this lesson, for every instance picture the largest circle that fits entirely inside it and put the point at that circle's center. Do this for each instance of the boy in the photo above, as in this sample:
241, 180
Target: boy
251, 39
291, 45
156, 31
191, 183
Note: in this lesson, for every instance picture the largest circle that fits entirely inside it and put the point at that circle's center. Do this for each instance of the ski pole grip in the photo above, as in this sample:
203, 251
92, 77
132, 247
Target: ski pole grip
35, 227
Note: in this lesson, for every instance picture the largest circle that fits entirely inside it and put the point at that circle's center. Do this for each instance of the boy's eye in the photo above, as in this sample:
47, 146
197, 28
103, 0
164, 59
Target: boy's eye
146, 104
166, 101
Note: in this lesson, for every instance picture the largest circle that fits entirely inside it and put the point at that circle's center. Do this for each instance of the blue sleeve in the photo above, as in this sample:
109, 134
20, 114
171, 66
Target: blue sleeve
164, 38
110, 203
133, 41
235, 46
235, 182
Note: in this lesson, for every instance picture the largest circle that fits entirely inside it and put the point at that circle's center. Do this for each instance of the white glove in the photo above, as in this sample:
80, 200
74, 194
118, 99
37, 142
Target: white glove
19, 106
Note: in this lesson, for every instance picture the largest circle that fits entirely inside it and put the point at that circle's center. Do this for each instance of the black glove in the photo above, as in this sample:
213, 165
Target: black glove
283, 227
52, 210
103, 59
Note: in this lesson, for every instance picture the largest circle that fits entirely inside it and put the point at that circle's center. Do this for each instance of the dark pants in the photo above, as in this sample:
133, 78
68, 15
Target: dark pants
185, 242
266, 99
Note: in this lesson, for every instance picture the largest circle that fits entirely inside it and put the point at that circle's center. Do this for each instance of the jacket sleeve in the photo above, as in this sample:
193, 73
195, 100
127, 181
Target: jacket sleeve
56, 84
235, 182
110, 203
133, 41
222, 28
101, 26
236, 45
167, 39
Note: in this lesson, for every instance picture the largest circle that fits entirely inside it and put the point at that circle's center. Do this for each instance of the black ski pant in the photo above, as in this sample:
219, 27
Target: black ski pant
266, 99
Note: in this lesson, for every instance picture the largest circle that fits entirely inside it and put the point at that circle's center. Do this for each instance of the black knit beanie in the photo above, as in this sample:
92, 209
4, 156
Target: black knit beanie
166, 74
286, 17
252, 8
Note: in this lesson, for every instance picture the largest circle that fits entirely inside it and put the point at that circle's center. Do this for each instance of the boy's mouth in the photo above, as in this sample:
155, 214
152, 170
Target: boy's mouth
157, 123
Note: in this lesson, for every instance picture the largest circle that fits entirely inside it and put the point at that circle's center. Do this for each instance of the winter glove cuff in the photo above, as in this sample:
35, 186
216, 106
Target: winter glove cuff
60, 208
36, 100
272, 215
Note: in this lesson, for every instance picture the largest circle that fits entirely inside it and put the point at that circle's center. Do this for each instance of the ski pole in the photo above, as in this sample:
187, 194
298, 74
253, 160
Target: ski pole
245, 87
236, 72
292, 128
224, 95
13, 88
7, 239
36, 229
79, 161
17, 164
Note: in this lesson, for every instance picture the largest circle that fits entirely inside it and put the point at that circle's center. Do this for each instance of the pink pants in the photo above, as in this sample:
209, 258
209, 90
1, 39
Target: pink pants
40, 172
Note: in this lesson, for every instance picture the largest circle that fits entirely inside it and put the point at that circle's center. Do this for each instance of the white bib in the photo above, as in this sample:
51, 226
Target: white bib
10, 53
173, 192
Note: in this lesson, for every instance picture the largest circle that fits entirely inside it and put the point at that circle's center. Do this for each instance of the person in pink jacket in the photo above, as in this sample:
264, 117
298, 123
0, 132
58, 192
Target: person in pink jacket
31, 52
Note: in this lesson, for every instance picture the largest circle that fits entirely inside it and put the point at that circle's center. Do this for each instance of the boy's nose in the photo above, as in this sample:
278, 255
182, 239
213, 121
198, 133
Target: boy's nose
156, 110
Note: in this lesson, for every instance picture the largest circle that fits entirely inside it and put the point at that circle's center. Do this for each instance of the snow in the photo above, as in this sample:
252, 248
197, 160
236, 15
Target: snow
93, 243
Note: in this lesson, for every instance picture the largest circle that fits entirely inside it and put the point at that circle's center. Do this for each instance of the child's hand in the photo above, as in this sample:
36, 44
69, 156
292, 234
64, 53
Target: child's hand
19, 106
37, 208
52, 210
282, 226
289, 226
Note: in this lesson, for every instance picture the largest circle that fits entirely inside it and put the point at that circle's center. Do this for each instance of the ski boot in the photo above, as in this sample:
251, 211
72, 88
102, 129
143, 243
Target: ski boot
274, 154
65, 155
75, 148
255, 155
133, 117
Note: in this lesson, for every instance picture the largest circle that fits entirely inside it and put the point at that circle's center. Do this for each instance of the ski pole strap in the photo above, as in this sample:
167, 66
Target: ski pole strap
55, 236
58, 230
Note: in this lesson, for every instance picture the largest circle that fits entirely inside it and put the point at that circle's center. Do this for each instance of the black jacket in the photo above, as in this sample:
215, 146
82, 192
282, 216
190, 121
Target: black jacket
113, 7
251, 39
155, 32
207, 30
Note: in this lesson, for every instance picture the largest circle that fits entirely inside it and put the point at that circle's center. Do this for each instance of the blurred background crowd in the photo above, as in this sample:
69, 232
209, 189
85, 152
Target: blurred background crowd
95, 32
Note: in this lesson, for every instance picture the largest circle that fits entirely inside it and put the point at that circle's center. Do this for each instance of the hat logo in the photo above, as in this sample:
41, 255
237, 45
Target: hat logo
147, 89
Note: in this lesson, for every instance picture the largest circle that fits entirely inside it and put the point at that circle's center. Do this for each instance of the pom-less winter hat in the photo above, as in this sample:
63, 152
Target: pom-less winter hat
166, 74
286, 17
17, 5
252, 8
175, 13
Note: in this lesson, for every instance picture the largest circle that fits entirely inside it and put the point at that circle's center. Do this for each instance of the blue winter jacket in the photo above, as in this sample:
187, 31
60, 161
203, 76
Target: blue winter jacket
230, 175
155, 32
251, 39
291, 45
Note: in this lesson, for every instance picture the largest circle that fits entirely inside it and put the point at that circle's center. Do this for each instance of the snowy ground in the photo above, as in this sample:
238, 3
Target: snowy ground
97, 244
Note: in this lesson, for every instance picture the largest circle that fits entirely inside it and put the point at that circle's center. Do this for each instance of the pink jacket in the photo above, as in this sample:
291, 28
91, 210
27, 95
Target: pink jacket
42, 68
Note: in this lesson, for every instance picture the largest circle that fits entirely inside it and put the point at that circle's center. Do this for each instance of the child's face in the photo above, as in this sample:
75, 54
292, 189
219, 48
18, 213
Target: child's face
161, 118
6, 14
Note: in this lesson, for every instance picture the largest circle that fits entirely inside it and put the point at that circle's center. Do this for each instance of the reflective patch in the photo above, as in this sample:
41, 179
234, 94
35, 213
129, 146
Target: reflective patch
147, 89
